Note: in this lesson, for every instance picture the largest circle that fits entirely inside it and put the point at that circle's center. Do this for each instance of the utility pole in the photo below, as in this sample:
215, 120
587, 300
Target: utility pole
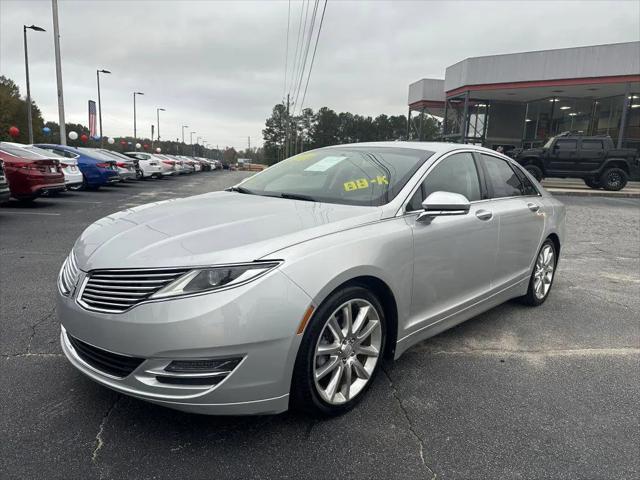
152, 128
56, 46
286, 135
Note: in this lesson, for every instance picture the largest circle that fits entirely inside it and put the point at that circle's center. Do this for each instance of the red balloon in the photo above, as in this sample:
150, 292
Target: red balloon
14, 132
123, 142
145, 146
84, 138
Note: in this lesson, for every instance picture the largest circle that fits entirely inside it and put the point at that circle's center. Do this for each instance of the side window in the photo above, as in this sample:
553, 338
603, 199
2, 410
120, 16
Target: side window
456, 173
567, 145
527, 187
503, 180
592, 145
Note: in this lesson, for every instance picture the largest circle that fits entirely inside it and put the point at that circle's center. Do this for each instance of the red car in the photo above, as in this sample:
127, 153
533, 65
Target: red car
29, 175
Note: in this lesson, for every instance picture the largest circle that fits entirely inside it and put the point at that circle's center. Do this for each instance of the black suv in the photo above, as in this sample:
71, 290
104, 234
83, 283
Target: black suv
594, 159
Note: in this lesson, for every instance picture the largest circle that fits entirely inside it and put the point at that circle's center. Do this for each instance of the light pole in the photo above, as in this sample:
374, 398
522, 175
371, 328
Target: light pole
26, 68
183, 127
192, 143
135, 138
98, 72
158, 110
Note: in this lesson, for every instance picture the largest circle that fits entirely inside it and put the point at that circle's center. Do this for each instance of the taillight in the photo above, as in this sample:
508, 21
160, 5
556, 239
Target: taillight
121, 164
168, 162
102, 165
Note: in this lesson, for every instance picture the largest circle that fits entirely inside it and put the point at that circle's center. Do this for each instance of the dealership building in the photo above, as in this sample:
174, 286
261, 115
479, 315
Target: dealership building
522, 99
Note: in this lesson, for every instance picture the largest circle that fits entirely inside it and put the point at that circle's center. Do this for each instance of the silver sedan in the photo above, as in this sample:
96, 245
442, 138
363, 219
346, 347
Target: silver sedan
289, 289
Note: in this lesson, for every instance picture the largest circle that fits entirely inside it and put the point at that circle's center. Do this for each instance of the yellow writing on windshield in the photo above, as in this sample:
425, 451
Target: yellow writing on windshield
362, 183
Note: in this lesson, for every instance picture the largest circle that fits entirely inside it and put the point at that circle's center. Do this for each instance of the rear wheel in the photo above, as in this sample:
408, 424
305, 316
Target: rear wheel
535, 171
614, 179
340, 353
542, 276
592, 183
88, 186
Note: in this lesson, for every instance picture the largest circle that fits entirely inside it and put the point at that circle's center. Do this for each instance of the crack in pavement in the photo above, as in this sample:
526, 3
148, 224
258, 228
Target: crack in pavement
99, 441
36, 325
410, 424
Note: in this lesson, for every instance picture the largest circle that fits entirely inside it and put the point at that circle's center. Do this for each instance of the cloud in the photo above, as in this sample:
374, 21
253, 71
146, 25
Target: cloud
219, 66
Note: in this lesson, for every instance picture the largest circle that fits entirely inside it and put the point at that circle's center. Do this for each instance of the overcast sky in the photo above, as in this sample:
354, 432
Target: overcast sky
219, 66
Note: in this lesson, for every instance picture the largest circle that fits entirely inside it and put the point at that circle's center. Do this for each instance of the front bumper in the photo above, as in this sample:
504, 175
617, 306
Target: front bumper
256, 321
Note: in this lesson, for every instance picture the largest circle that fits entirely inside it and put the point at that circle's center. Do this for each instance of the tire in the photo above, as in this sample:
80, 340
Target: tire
543, 270
535, 171
592, 183
26, 200
87, 186
352, 362
614, 179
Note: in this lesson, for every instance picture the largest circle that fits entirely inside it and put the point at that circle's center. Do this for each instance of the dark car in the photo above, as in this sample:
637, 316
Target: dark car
593, 159
96, 170
30, 175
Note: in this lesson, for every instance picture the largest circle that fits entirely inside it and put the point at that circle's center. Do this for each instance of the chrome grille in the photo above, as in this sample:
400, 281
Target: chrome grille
68, 274
119, 290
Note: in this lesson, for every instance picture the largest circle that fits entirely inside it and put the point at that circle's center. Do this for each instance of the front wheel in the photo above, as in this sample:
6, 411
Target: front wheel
542, 275
614, 179
341, 352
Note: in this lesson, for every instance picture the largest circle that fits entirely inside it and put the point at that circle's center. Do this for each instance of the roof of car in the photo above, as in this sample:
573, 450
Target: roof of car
435, 147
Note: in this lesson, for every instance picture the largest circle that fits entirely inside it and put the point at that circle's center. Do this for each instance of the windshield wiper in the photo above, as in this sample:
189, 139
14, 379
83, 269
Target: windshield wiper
240, 190
297, 196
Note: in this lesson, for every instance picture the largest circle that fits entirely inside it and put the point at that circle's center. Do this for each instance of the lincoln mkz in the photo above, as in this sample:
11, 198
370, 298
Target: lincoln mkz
291, 288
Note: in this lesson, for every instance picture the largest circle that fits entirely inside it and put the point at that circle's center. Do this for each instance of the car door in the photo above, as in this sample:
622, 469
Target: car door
563, 155
519, 211
591, 155
453, 255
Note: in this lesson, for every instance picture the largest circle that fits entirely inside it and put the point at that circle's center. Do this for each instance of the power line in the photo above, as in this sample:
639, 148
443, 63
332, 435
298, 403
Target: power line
286, 56
306, 55
300, 65
295, 55
313, 57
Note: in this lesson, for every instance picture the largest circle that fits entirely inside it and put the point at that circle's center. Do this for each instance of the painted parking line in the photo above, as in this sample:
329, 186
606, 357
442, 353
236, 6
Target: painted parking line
30, 213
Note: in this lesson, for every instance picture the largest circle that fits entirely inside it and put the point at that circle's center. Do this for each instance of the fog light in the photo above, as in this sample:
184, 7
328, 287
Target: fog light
203, 366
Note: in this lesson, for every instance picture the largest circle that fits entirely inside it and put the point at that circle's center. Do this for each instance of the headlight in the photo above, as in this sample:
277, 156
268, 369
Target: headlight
214, 278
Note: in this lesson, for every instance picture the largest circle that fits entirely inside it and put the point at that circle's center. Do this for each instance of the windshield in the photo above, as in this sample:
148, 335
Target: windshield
45, 153
549, 142
349, 175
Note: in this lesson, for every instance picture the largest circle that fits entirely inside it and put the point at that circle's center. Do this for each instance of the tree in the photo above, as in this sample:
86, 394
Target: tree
13, 112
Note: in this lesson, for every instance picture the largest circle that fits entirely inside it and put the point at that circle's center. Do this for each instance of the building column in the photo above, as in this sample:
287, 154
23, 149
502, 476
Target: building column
465, 120
444, 120
623, 119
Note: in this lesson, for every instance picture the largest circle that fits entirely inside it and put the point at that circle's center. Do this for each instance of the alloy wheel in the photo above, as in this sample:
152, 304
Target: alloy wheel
543, 273
347, 351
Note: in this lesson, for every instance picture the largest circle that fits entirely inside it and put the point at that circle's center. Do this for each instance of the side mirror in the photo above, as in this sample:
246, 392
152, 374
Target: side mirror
444, 203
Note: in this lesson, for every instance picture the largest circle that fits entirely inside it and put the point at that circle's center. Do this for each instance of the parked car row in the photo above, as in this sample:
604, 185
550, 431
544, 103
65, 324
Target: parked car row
29, 171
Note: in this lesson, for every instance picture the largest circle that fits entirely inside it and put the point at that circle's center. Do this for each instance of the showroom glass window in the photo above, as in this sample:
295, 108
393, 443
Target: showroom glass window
457, 174
502, 178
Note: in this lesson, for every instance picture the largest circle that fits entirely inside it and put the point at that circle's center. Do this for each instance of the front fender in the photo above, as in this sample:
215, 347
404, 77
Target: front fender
383, 250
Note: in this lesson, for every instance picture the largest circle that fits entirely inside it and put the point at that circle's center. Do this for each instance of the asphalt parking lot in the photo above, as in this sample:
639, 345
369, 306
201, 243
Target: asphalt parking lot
517, 392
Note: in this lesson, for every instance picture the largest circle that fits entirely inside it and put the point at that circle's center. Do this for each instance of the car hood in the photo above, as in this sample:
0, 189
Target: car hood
215, 228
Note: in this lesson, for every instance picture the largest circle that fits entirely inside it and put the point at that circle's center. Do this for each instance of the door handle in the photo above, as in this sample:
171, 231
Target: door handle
533, 207
484, 214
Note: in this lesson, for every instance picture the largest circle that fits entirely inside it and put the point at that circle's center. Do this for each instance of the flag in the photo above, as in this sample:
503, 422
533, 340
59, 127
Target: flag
92, 119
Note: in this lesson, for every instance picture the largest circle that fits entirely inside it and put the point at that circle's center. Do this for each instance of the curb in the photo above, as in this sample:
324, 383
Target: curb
592, 193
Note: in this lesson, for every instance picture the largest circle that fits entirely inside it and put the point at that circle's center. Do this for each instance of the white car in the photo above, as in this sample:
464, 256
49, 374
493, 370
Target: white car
72, 173
169, 165
149, 165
